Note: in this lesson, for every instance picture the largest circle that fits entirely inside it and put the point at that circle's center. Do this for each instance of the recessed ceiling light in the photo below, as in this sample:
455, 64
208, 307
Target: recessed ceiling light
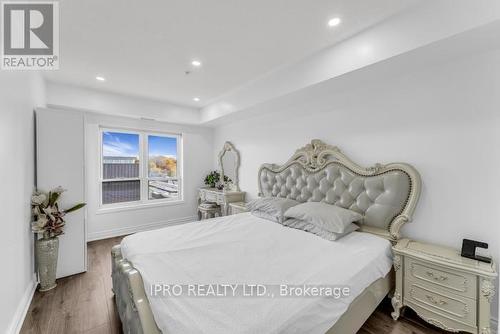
99, 78
334, 22
196, 99
196, 63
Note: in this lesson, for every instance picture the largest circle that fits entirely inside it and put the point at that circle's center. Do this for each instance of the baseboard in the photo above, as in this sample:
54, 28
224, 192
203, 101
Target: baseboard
134, 229
22, 308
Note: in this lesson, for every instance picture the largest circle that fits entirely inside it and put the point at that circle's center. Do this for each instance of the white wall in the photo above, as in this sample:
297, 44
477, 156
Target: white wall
19, 94
115, 110
444, 119
62, 96
425, 23
197, 162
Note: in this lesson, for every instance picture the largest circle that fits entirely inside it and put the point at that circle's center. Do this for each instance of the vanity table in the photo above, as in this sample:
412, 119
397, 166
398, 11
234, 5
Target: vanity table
229, 163
221, 197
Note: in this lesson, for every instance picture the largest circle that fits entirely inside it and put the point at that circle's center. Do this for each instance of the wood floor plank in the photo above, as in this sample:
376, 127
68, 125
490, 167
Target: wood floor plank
91, 310
104, 329
115, 325
84, 304
364, 331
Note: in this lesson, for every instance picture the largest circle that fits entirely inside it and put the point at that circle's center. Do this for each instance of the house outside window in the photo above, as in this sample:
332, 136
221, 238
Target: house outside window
139, 167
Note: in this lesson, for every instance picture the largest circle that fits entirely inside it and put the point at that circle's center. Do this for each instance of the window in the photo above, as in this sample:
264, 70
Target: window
139, 167
162, 167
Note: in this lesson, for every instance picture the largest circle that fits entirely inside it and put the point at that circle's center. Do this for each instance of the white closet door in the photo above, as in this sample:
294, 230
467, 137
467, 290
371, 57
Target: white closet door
60, 162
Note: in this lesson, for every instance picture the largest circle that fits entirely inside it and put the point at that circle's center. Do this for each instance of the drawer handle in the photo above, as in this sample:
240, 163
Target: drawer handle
436, 278
436, 302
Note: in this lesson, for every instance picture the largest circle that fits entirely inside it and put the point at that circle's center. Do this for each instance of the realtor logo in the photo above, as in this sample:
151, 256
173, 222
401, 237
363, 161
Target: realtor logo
30, 32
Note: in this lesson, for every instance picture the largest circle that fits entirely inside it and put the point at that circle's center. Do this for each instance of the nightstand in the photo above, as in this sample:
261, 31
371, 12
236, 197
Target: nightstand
448, 291
237, 207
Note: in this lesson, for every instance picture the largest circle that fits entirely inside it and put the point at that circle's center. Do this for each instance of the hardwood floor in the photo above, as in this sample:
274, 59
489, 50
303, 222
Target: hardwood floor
80, 303
84, 304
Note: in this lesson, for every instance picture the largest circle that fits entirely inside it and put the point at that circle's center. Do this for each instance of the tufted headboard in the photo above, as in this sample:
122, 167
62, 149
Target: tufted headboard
386, 195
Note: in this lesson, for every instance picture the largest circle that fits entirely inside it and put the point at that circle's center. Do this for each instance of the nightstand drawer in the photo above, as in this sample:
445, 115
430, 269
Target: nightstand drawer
445, 289
443, 278
450, 306
438, 320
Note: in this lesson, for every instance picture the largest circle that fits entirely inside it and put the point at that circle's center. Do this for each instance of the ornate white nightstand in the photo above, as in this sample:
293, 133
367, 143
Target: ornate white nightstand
237, 207
448, 291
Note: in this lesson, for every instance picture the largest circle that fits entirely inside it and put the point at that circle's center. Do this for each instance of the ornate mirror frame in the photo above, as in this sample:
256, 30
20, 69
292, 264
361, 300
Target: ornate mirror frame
228, 147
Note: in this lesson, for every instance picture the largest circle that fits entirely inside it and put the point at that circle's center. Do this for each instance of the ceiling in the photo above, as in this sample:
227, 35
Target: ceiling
143, 48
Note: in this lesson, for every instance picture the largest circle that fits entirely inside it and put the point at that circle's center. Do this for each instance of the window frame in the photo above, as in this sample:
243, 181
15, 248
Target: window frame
144, 201
145, 165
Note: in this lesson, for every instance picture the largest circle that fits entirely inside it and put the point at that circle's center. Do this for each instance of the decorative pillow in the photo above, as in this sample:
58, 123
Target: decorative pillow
311, 228
325, 216
274, 207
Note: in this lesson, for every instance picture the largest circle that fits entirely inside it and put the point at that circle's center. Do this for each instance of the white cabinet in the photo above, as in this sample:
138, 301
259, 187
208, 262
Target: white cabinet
449, 291
60, 162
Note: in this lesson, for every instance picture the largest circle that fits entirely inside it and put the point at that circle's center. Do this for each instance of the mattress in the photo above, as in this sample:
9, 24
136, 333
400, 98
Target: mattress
248, 254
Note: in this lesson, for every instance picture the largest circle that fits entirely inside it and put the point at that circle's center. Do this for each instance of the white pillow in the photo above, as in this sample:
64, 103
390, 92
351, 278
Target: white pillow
325, 216
273, 207
311, 228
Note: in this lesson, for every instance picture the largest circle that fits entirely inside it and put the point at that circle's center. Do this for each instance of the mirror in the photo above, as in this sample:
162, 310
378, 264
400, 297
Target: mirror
229, 162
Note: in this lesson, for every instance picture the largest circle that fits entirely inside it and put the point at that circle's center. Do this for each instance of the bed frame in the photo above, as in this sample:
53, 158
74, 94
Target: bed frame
385, 194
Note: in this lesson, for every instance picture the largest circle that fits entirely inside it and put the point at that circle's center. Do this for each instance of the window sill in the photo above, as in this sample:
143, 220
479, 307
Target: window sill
136, 206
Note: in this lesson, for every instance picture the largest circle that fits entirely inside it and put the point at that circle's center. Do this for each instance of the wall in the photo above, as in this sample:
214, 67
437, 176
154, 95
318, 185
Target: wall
115, 110
442, 118
19, 94
417, 27
62, 96
197, 161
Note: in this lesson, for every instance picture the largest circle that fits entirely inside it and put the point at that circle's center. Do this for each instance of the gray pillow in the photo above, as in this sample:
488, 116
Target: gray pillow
311, 228
272, 207
325, 216
263, 215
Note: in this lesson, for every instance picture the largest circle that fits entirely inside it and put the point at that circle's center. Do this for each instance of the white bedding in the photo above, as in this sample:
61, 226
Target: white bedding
246, 249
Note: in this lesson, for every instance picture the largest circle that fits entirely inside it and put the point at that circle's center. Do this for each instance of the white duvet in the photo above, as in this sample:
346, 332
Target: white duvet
243, 249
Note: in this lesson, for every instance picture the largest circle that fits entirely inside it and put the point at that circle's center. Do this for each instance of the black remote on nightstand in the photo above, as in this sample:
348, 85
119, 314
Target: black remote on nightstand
469, 250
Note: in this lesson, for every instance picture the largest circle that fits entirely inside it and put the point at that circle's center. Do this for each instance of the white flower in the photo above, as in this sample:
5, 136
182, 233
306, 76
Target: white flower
37, 226
38, 199
58, 190
36, 210
49, 212
43, 219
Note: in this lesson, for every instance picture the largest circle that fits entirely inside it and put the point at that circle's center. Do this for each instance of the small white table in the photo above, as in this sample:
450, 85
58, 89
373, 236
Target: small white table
221, 197
237, 207
448, 291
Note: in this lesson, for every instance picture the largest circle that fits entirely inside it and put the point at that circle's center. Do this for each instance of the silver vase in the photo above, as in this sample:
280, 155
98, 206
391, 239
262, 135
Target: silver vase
46, 251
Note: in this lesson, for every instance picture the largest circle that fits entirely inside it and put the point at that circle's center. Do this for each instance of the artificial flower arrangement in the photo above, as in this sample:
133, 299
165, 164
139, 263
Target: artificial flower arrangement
48, 218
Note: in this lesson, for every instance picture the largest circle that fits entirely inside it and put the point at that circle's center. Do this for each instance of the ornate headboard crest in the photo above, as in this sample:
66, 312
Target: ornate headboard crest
317, 156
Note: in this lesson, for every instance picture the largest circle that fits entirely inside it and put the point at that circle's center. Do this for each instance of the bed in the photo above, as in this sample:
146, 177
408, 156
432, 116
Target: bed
246, 249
